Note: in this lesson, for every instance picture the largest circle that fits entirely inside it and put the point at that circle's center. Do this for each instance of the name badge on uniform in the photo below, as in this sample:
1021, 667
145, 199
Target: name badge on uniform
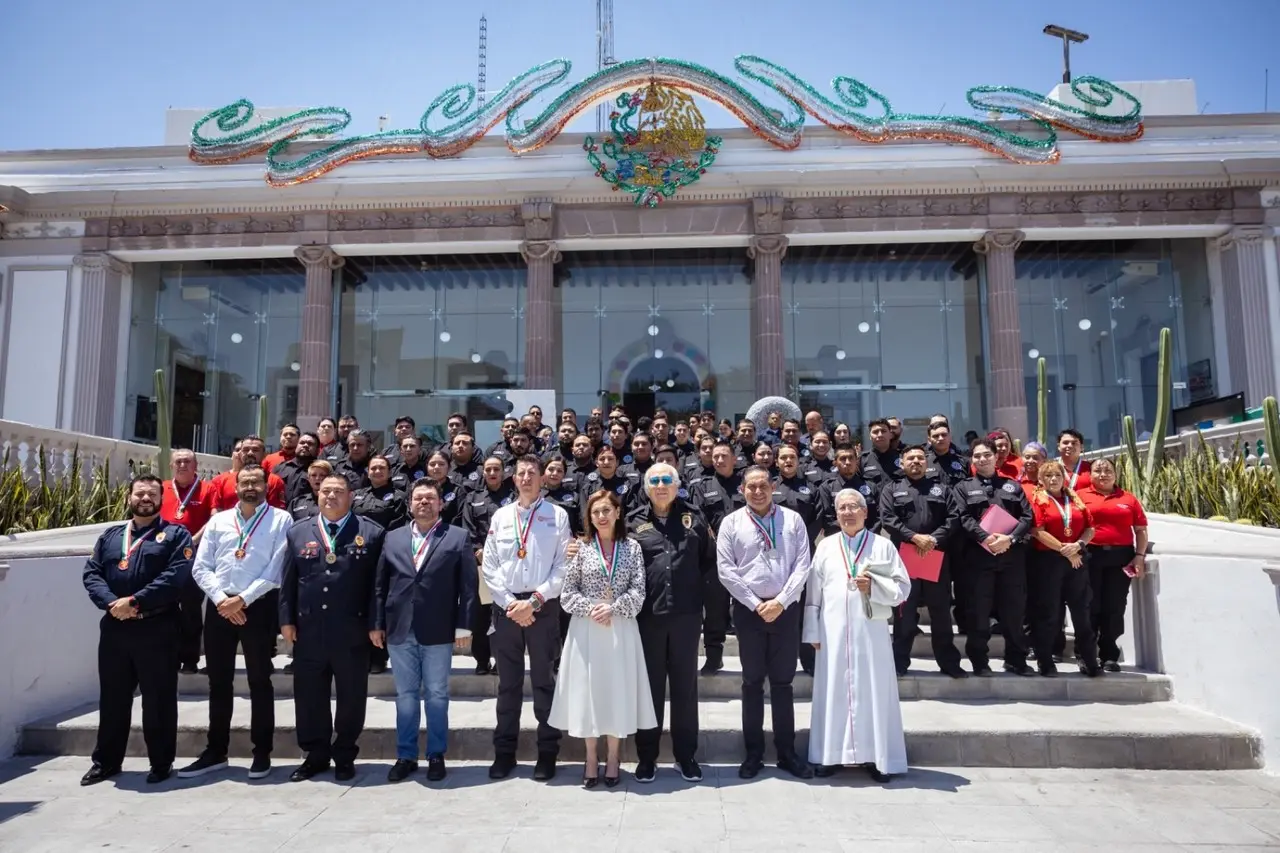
643, 527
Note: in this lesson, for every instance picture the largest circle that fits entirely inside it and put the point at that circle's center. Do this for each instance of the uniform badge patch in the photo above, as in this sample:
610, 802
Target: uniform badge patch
936, 491
473, 476
593, 476
682, 492
622, 490
186, 553
865, 489
449, 497
687, 520
804, 490
160, 537
359, 540
956, 466
1010, 487
506, 500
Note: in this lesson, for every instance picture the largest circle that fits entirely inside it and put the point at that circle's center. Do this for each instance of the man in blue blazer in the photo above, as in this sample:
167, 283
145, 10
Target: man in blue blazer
423, 604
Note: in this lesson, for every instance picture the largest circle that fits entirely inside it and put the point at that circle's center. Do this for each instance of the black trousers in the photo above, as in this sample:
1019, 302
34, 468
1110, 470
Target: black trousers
935, 595
1000, 584
963, 573
715, 614
257, 637
670, 644
481, 648
510, 642
190, 624
330, 659
1110, 587
1055, 584
138, 654
808, 654
768, 650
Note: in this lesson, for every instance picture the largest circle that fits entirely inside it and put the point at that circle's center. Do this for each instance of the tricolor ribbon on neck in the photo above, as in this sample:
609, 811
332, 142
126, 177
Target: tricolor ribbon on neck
855, 553
610, 563
522, 530
769, 533
331, 542
245, 530
182, 502
421, 544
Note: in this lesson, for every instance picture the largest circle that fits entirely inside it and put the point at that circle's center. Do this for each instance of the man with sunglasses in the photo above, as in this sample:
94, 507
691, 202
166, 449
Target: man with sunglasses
679, 557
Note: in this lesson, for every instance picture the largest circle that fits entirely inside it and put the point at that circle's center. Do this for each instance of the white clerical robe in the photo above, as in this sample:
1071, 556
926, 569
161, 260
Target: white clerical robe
856, 715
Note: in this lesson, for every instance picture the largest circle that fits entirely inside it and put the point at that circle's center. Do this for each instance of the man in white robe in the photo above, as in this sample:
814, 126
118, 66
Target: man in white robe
857, 578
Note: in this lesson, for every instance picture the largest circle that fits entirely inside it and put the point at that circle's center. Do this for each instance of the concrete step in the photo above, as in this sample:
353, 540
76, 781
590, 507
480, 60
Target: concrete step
1164, 735
922, 681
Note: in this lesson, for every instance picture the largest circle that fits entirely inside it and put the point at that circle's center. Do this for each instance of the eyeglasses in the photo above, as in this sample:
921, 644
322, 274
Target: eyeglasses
661, 480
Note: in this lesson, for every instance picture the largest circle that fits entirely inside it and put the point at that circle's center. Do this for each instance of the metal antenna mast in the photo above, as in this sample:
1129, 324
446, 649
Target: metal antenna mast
484, 50
604, 55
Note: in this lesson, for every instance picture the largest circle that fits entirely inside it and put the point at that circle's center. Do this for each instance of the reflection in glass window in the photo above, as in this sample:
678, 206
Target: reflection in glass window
885, 331
1094, 311
225, 333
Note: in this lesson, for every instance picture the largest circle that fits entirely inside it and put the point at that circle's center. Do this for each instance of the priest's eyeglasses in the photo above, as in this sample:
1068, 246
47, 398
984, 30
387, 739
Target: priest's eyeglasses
661, 480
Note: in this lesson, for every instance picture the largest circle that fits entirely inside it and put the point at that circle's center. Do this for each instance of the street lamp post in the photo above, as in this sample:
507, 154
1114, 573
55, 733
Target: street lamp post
1067, 36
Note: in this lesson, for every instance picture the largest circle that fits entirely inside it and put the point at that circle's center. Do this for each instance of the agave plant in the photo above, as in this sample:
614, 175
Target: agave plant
48, 501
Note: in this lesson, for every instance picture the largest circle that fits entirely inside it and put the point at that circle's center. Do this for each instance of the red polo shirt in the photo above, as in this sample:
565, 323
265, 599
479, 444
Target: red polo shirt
1028, 487
199, 506
223, 488
274, 459
1114, 515
1011, 469
1049, 518
1085, 478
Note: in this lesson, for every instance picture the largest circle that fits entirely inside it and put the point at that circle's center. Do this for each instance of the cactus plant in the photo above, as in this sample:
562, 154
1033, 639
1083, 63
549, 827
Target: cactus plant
1164, 390
1131, 446
164, 437
1017, 448
1042, 400
1271, 429
263, 424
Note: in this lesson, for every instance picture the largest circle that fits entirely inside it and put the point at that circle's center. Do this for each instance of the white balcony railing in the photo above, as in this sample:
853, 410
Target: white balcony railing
1223, 440
21, 444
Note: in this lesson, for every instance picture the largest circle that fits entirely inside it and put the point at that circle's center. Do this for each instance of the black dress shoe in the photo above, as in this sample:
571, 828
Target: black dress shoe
1093, 670
156, 776
189, 669
97, 773
902, 672
983, 671
344, 772
502, 766
750, 768
1019, 669
954, 671
545, 769
377, 668
714, 663
1111, 666
796, 766
401, 770
876, 775
308, 770
484, 668
1048, 670
435, 768
825, 771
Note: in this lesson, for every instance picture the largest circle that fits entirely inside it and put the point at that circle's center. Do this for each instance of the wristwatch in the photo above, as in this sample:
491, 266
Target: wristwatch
535, 601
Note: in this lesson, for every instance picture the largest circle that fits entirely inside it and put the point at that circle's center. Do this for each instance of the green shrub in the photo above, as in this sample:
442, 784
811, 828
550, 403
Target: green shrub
47, 502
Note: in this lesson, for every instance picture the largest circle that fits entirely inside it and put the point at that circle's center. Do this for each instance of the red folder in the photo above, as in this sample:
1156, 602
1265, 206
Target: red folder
927, 568
996, 520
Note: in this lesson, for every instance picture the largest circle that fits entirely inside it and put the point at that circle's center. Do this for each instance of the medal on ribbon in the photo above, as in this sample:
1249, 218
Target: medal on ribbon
182, 502
1075, 475
853, 557
422, 547
1065, 509
610, 565
128, 545
331, 542
245, 532
522, 531
770, 533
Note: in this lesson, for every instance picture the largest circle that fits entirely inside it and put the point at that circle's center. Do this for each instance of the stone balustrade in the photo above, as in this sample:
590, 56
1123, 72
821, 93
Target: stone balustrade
21, 445
1222, 440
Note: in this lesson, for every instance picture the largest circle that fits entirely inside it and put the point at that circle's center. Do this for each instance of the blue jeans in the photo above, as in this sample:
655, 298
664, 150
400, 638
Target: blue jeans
421, 673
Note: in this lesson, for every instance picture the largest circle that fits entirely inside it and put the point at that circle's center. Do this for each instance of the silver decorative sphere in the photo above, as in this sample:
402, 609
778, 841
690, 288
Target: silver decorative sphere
765, 406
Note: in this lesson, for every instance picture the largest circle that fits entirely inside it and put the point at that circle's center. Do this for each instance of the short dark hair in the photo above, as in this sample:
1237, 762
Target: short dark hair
1074, 433
793, 421
665, 448
405, 419
523, 431
643, 423
554, 457
528, 459
289, 426
606, 447
146, 477
884, 422
459, 416
253, 468
326, 418
843, 447
359, 433
349, 417
988, 443
346, 484
511, 419
643, 435
910, 447
415, 439
933, 426
253, 437
746, 421
425, 483
309, 435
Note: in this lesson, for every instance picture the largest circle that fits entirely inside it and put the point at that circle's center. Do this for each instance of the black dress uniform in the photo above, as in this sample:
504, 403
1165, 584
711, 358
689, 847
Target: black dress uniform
693, 470
997, 580
679, 557
468, 475
294, 475
949, 467
332, 607
478, 508
357, 473
879, 468
827, 501
565, 496
715, 497
624, 483
909, 507
139, 653
304, 506
385, 505
818, 469
406, 475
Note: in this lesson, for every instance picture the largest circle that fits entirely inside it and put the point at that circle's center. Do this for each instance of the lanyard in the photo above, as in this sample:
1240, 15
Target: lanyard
1074, 476
610, 563
128, 545
243, 533
182, 502
770, 533
331, 542
1065, 509
853, 554
523, 531
421, 546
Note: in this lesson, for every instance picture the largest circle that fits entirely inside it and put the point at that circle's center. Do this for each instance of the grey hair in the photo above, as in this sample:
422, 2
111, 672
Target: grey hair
851, 493
660, 468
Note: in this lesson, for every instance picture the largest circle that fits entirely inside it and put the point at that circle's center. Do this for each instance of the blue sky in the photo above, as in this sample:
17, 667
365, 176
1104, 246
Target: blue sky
97, 73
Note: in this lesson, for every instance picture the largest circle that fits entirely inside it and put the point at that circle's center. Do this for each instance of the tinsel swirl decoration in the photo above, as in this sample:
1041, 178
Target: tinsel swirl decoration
453, 122
659, 144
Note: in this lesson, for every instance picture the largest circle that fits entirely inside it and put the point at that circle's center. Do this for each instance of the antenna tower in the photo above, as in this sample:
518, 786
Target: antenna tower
604, 55
484, 51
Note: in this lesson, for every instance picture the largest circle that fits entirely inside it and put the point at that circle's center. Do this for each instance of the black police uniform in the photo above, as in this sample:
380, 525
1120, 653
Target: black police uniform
818, 469
715, 497
879, 468
334, 453
565, 496
744, 455
624, 483
693, 470
357, 473
468, 475
385, 505
331, 605
563, 451
304, 506
909, 507
827, 501
996, 580
404, 476
679, 557
579, 470
139, 653
452, 499
685, 450
294, 475
800, 494
478, 508
950, 467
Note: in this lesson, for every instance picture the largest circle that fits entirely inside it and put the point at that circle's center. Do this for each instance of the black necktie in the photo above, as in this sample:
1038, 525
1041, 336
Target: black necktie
333, 529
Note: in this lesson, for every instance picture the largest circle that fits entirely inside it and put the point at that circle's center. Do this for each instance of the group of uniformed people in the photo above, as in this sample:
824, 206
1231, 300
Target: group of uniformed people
288, 543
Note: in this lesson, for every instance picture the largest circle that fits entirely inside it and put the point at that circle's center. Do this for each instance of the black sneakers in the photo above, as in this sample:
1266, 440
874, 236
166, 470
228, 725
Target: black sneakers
435, 768
261, 768
158, 775
401, 770
545, 769
206, 763
689, 770
502, 766
645, 771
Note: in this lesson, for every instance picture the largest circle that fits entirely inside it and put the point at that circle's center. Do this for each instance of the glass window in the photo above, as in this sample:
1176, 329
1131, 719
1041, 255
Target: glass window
1094, 310
417, 332
226, 333
655, 329
881, 331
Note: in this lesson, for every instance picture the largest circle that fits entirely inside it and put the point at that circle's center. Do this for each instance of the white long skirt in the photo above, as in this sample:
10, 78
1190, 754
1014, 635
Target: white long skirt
603, 687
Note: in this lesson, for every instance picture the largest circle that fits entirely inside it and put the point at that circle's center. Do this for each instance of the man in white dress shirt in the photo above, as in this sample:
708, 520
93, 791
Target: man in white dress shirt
762, 552
524, 561
237, 566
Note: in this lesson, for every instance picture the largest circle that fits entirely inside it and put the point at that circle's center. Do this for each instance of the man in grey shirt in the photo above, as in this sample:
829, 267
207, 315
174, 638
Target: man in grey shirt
762, 552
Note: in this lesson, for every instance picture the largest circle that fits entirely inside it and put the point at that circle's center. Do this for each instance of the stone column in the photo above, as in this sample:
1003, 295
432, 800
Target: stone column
1008, 396
97, 364
1248, 311
314, 401
540, 256
766, 249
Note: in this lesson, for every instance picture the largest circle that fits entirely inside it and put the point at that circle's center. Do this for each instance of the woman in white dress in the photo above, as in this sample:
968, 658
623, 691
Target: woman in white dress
603, 687
856, 580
